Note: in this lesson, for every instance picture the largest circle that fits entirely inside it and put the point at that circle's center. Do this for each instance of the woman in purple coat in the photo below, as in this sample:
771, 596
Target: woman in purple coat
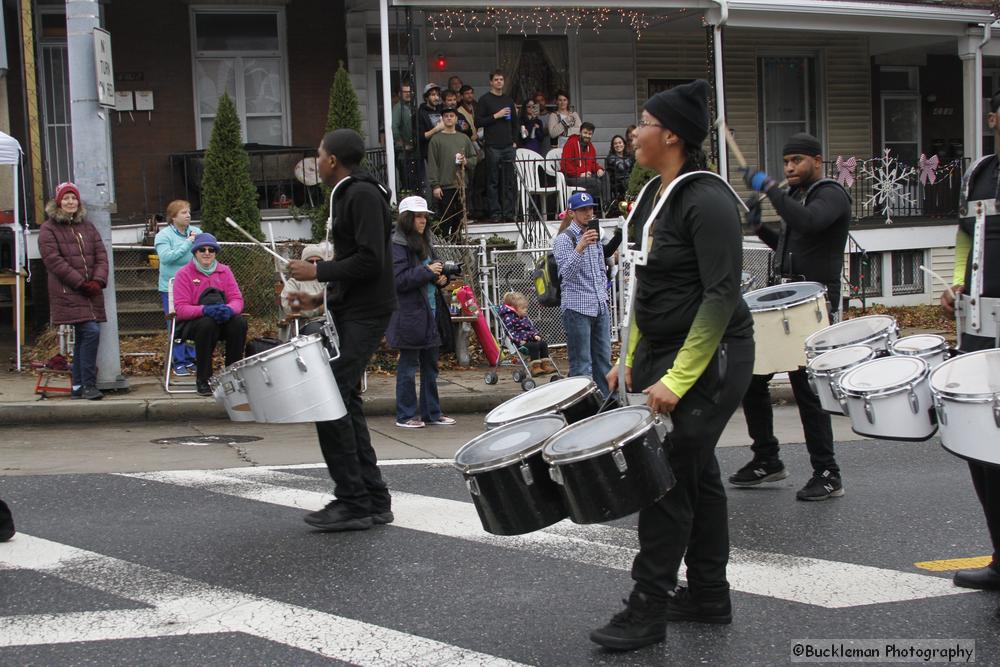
413, 328
77, 264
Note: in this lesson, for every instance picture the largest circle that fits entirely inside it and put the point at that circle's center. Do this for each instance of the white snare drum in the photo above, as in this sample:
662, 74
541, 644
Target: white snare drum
930, 347
230, 393
889, 398
875, 331
292, 383
966, 393
784, 316
825, 370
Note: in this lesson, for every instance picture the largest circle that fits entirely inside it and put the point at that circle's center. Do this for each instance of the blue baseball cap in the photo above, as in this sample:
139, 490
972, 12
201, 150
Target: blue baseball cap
580, 200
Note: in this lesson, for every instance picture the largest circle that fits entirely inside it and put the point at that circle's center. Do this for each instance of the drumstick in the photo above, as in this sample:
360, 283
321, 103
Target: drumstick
731, 142
941, 280
232, 223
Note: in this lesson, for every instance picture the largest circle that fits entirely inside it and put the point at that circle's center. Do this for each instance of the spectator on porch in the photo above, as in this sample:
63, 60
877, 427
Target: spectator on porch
619, 163
532, 131
455, 84
451, 101
496, 115
564, 122
173, 248
451, 155
402, 138
429, 117
579, 164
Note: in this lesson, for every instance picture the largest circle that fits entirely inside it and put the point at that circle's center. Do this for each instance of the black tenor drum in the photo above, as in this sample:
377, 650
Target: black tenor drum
508, 480
610, 465
575, 398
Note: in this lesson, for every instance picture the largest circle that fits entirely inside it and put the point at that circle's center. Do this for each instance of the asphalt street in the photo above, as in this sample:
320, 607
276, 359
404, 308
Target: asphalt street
211, 563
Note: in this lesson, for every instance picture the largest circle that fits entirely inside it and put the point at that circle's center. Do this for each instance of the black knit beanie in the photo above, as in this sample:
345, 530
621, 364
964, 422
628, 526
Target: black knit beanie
802, 143
683, 109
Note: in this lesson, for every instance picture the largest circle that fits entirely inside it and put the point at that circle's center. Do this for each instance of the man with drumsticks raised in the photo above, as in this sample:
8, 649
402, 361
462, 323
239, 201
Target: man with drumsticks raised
815, 214
979, 235
361, 298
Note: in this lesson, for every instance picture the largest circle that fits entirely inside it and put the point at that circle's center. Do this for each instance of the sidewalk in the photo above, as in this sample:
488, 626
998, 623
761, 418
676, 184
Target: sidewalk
461, 392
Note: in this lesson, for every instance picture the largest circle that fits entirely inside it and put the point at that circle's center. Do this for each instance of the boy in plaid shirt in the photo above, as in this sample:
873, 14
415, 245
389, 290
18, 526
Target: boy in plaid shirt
514, 313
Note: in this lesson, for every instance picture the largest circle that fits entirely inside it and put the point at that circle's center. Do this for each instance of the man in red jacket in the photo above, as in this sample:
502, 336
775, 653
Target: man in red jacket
579, 164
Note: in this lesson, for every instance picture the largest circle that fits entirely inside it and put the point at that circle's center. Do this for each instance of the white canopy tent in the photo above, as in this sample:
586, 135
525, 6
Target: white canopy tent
10, 154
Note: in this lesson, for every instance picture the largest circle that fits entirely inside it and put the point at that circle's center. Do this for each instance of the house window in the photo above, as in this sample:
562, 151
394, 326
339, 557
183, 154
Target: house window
866, 274
907, 278
534, 63
242, 53
789, 100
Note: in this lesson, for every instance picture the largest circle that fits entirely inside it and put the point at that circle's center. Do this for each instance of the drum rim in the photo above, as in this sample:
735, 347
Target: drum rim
506, 460
644, 426
863, 341
984, 397
885, 391
296, 343
789, 304
589, 388
839, 370
942, 346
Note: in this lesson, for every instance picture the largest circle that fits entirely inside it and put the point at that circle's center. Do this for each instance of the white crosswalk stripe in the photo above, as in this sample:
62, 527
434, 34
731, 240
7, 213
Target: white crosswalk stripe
805, 580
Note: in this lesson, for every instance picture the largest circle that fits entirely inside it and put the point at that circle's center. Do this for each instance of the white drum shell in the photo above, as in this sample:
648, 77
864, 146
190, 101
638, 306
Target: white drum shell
878, 341
969, 428
292, 383
934, 356
824, 382
785, 329
228, 391
887, 413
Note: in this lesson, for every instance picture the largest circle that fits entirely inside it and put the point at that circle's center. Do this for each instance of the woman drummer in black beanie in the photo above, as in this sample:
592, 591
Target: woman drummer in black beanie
691, 351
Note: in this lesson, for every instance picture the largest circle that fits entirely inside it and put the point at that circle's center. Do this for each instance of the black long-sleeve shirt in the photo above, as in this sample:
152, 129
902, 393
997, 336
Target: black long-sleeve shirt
497, 132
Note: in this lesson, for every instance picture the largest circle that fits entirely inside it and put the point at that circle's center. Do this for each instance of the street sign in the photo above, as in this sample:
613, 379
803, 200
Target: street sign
105, 69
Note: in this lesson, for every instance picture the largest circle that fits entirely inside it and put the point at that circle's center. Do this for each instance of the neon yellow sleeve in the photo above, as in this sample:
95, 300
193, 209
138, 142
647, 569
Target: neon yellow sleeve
963, 244
702, 340
634, 335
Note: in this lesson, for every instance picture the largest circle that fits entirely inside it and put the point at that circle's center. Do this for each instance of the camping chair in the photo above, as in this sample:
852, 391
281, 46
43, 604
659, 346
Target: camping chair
527, 162
552, 164
173, 386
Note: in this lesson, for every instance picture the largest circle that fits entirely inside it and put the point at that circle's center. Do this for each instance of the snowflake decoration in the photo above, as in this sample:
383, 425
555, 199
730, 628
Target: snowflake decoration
890, 184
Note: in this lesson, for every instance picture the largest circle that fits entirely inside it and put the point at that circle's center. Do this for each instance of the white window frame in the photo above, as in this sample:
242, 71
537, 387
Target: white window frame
281, 54
819, 72
906, 290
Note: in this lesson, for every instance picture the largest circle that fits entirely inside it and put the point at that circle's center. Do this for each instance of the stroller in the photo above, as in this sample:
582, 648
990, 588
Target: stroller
515, 357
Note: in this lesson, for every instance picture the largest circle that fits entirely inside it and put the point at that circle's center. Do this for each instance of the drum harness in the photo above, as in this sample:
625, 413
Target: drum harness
969, 307
639, 257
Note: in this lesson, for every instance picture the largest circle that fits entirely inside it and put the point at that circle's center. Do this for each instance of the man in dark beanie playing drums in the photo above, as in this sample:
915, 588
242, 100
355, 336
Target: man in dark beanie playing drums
691, 351
809, 246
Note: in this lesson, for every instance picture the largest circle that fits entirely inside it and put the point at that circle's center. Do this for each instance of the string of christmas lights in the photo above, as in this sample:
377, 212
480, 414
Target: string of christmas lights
533, 20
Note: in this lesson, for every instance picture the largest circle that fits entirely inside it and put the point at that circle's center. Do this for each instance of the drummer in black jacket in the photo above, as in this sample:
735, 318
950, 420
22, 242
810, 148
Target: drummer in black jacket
809, 245
361, 298
691, 352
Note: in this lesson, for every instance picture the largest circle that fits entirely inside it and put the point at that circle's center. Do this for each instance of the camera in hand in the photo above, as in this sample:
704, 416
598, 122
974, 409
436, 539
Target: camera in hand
451, 268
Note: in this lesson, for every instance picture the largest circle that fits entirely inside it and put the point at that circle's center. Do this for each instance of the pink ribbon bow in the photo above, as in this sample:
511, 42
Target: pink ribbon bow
845, 170
927, 167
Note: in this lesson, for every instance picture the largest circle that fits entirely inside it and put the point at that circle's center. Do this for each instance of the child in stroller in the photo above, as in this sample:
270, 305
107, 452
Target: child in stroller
524, 334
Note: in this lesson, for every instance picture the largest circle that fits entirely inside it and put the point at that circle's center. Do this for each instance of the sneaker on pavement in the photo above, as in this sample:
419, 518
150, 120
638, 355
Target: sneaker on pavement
984, 578
203, 389
681, 606
821, 487
181, 371
76, 394
759, 471
410, 423
336, 517
643, 622
442, 421
380, 518
91, 393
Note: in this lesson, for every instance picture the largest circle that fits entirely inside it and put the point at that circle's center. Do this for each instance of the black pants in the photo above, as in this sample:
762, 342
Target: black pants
537, 349
691, 522
502, 184
206, 334
985, 477
6, 521
346, 443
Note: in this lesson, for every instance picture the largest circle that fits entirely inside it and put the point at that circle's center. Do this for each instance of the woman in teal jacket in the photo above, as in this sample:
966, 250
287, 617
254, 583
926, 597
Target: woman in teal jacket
173, 245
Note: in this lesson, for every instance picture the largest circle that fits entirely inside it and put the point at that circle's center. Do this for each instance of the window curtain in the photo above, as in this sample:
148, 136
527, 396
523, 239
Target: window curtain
510, 58
557, 54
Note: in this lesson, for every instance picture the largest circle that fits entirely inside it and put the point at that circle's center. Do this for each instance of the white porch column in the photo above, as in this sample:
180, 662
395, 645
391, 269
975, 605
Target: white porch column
972, 92
390, 146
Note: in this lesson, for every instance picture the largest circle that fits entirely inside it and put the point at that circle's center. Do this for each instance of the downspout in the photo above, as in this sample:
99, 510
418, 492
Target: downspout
390, 146
978, 151
720, 89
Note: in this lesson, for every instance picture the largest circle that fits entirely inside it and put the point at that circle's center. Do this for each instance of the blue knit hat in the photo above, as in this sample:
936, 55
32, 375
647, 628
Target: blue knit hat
202, 240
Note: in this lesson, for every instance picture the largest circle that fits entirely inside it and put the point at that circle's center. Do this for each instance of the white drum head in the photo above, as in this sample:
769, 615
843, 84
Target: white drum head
842, 357
850, 332
541, 399
507, 443
919, 344
882, 374
782, 296
596, 433
973, 374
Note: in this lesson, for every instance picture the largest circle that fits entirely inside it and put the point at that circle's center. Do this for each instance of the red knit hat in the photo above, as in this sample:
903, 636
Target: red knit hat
63, 188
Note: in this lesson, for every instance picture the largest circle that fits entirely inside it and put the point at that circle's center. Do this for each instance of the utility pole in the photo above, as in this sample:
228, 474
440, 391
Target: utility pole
92, 164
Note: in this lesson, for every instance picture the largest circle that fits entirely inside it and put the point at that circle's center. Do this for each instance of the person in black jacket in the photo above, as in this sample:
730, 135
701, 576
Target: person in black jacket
6, 522
361, 297
496, 114
815, 214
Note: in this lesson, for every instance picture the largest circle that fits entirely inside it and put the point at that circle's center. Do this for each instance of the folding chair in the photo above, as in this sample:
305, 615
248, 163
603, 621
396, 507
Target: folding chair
527, 164
552, 167
173, 387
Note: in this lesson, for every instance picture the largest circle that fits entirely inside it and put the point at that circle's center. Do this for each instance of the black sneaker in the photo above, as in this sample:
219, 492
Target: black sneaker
335, 517
681, 606
380, 518
203, 389
76, 394
821, 487
759, 471
643, 622
91, 393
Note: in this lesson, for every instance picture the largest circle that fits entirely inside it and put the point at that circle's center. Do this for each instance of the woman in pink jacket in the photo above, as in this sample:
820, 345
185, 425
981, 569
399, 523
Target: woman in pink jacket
207, 301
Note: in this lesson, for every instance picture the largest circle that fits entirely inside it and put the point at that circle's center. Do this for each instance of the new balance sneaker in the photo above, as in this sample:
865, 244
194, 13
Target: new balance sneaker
681, 606
441, 421
643, 622
336, 517
759, 471
410, 423
821, 487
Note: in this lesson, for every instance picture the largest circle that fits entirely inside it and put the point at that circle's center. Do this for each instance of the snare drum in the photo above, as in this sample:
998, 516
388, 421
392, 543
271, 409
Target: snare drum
966, 393
825, 370
875, 331
292, 383
229, 392
889, 398
784, 316
930, 347
610, 465
508, 480
575, 398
